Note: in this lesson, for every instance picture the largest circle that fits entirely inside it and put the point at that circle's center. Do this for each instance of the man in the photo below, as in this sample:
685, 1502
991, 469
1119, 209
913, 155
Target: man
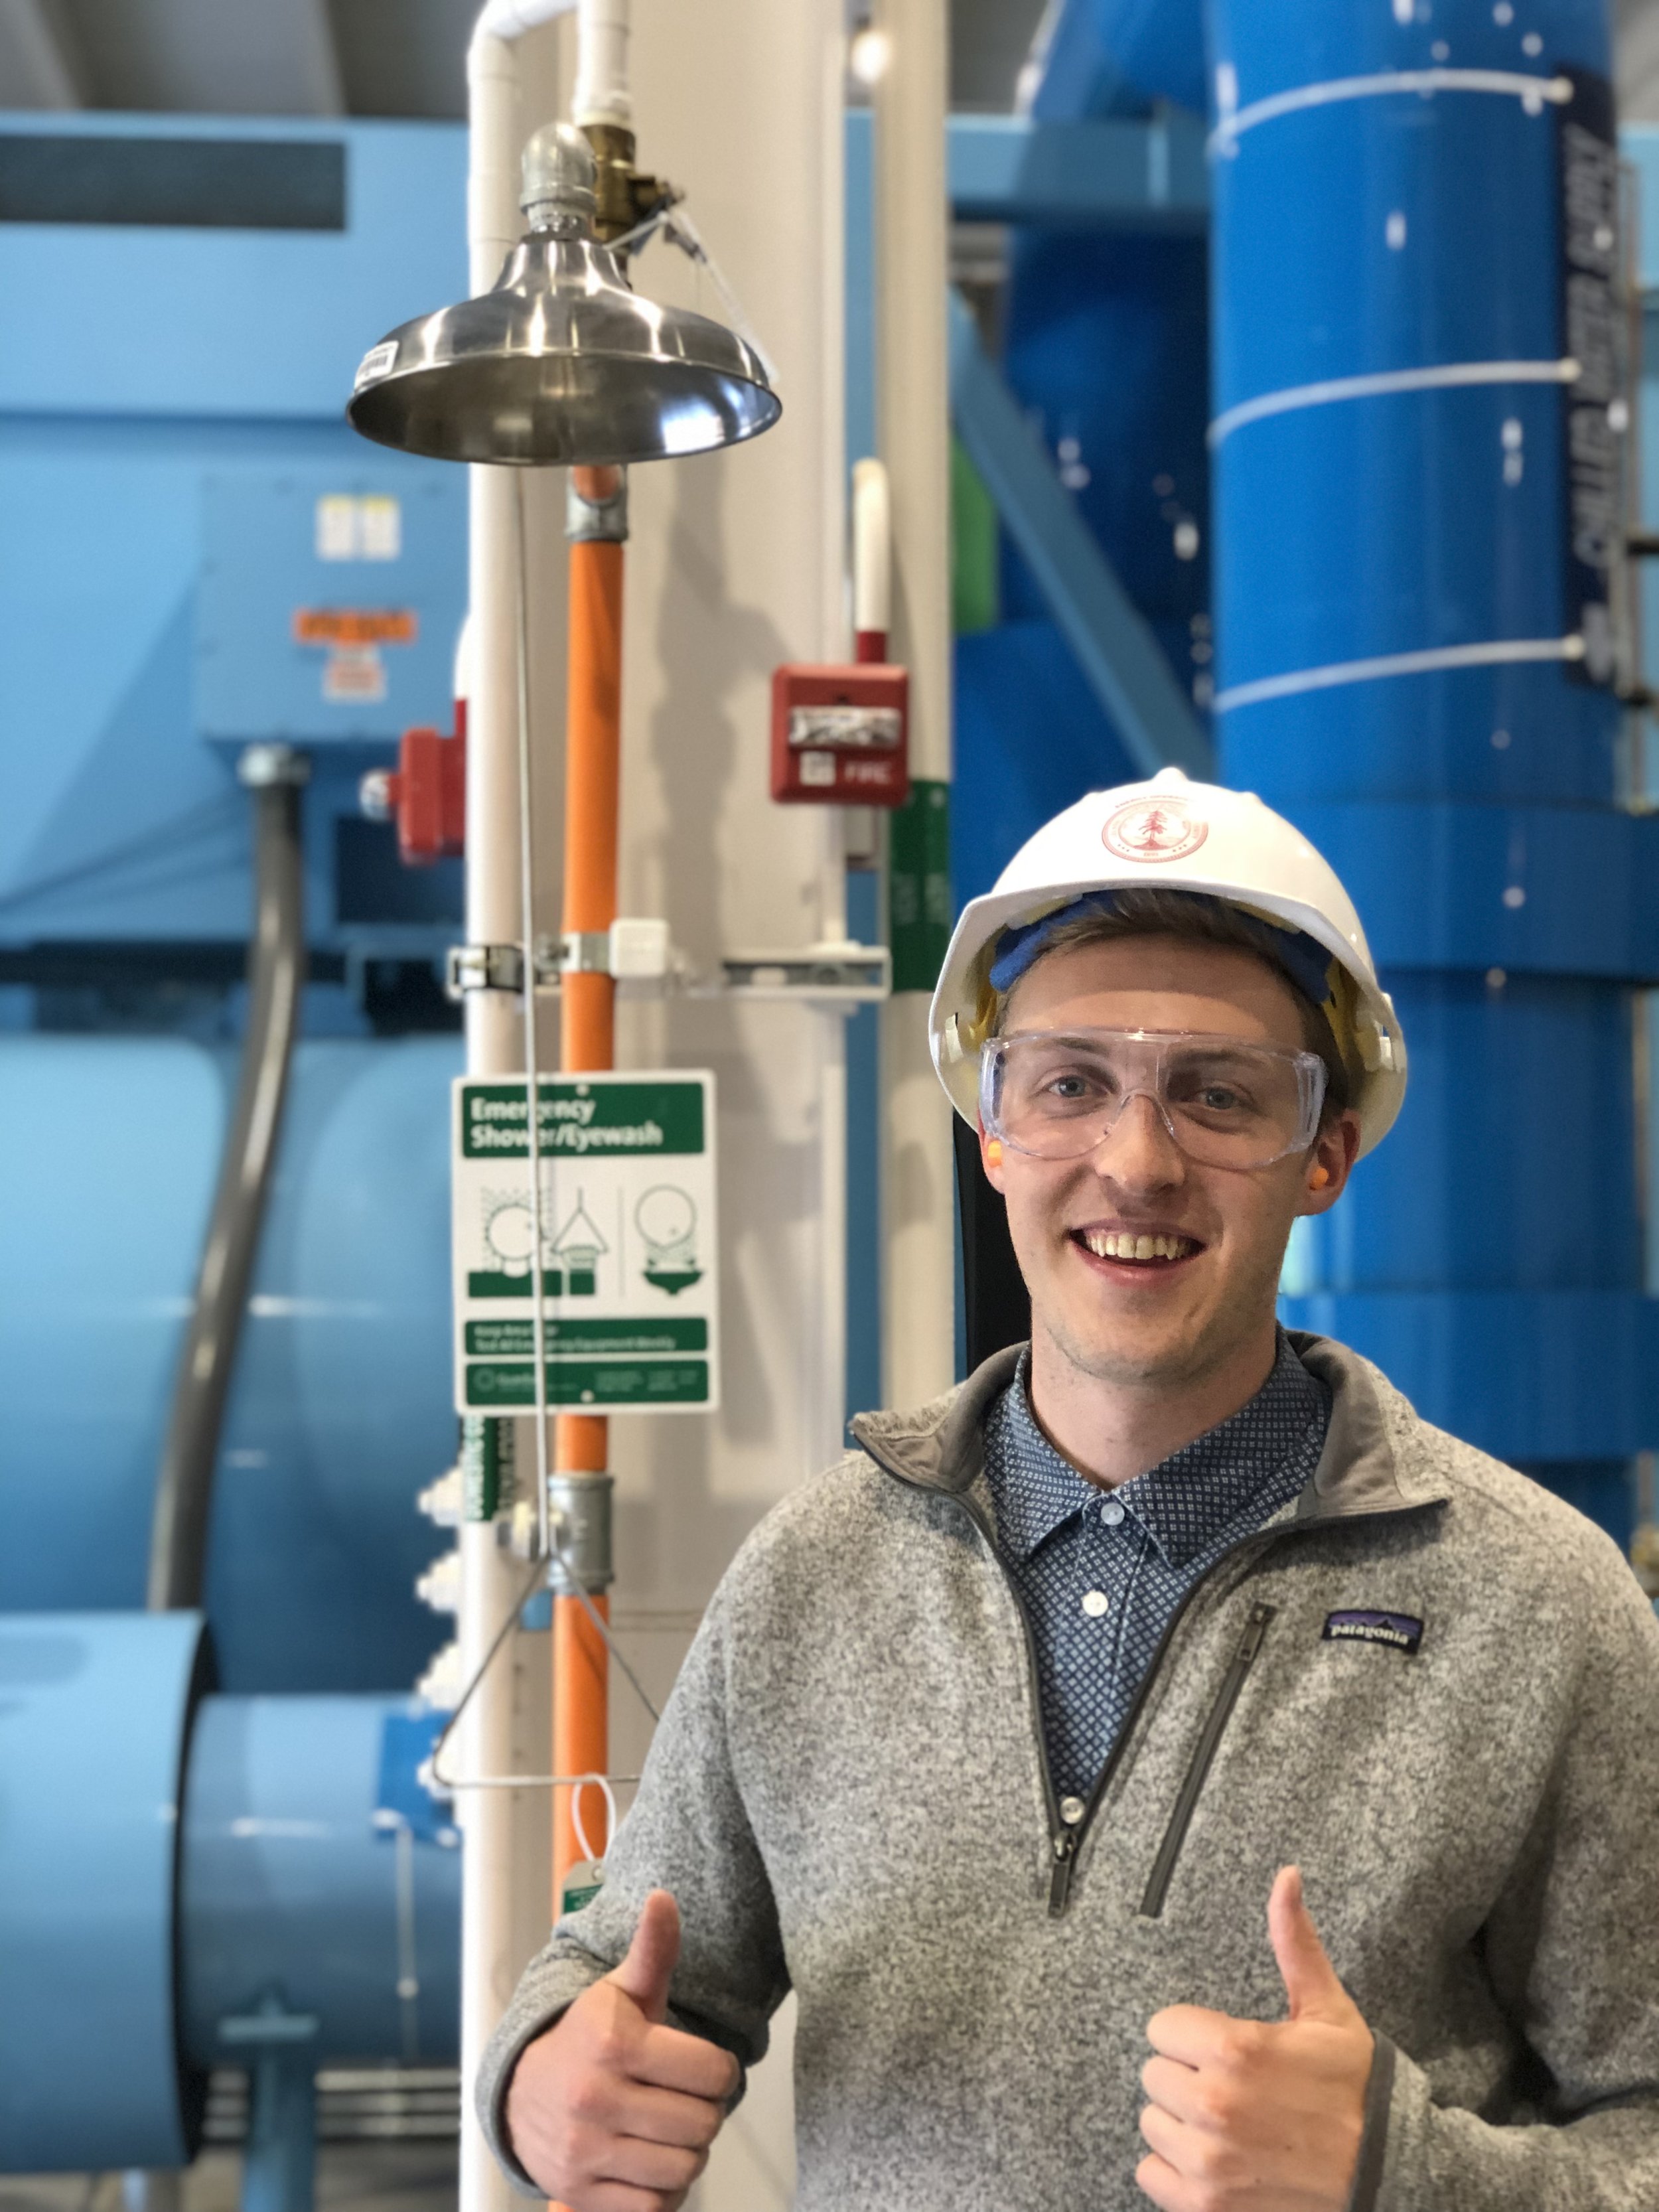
1011, 1742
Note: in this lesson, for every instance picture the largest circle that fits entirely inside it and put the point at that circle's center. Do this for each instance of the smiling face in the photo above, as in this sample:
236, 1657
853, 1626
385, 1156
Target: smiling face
1194, 1291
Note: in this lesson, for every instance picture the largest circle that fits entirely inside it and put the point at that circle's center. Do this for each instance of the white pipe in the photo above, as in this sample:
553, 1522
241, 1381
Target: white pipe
490, 1874
507, 20
914, 413
873, 551
602, 93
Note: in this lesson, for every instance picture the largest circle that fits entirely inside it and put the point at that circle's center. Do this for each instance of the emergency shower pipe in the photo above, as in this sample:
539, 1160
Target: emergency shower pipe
598, 527
274, 775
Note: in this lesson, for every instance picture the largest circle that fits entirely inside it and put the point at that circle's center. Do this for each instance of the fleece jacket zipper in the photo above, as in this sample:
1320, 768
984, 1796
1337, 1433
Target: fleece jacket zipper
1066, 1842
1163, 1866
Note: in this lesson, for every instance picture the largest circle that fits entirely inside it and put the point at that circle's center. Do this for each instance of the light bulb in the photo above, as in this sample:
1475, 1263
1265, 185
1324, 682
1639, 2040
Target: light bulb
868, 55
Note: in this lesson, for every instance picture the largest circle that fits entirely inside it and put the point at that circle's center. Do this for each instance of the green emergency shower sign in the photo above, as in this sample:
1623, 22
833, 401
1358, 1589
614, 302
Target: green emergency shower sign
630, 1302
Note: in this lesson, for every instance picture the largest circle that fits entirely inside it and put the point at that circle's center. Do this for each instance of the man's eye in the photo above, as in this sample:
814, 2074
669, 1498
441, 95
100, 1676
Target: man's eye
1220, 1098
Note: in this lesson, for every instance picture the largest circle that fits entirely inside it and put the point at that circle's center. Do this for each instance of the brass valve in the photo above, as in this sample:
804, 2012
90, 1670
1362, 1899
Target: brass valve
623, 197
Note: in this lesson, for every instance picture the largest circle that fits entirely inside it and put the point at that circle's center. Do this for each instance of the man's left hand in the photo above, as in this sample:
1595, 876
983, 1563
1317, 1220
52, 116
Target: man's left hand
1260, 2116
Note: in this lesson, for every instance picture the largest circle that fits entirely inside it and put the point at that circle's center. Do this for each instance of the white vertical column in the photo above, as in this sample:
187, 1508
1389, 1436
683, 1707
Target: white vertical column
489, 1574
913, 415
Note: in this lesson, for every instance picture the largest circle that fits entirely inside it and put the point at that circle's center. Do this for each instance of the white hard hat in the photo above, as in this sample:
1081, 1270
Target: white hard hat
1171, 835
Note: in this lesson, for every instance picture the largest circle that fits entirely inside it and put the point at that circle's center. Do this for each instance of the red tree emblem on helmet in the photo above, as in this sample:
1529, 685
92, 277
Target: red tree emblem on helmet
1153, 829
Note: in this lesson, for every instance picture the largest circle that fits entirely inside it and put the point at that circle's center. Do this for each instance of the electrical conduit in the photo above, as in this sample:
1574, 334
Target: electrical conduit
275, 776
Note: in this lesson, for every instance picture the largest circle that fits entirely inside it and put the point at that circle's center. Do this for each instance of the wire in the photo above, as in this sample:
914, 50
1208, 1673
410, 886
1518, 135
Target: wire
677, 226
532, 1058
531, 1781
478, 1674
599, 1622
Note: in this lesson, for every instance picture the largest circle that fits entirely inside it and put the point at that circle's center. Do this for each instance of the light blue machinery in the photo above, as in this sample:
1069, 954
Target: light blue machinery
213, 1848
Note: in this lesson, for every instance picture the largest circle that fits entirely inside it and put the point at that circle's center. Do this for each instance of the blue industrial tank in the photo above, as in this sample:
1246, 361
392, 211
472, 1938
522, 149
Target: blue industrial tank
341, 1409
1417, 415
1105, 343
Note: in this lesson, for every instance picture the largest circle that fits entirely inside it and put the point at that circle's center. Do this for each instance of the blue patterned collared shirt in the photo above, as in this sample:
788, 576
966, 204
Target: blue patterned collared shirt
1102, 1572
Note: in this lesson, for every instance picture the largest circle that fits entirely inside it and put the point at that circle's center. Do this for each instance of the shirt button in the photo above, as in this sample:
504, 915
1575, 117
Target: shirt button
1111, 1513
1094, 1602
1072, 1810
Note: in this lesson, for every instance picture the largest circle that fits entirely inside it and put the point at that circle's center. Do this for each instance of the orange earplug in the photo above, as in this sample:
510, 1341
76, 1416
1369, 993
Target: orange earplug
1319, 1177
994, 1151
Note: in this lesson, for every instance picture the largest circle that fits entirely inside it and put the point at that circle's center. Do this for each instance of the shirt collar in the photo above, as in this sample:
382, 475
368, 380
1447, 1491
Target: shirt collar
1183, 1503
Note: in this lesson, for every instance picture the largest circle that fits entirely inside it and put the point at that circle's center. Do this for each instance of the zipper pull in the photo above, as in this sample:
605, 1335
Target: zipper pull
1059, 1882
1254, 1629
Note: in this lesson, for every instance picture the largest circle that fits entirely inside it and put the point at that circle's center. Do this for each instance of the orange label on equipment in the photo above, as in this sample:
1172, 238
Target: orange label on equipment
354, 626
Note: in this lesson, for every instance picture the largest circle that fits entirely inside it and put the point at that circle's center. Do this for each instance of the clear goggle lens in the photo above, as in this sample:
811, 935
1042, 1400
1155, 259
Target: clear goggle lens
1225, 1103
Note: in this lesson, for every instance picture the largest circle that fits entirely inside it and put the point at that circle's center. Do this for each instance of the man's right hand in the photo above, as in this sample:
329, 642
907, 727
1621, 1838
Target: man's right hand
610, 2111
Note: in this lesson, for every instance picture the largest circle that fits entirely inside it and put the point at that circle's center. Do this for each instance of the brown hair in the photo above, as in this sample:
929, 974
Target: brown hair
1201, 921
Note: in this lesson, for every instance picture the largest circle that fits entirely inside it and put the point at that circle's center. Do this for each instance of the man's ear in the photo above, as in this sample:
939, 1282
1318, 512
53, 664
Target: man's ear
990, 1156
1329, 1164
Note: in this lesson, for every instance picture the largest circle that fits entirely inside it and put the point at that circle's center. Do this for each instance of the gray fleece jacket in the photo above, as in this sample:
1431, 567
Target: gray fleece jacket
848, 1794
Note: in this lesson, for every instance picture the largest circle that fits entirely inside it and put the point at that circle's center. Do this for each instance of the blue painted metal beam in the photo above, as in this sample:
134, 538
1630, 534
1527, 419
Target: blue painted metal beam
1119, 173
1124, 664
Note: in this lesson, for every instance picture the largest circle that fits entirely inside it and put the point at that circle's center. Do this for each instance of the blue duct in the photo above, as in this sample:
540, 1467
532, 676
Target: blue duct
190, 1881
1411, 604
341, 1409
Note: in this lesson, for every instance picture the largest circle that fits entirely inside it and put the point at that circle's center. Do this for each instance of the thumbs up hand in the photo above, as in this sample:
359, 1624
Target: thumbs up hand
611, 2110
1259, 2116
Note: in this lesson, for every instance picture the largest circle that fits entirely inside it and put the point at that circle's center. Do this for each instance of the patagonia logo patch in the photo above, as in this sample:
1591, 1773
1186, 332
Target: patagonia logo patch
1401, 1630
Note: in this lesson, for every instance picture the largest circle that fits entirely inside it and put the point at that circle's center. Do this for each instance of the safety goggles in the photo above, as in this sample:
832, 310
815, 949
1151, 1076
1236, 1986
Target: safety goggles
1226, 1103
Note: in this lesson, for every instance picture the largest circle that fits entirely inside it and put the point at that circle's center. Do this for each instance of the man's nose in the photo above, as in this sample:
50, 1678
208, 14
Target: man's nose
1139, 1151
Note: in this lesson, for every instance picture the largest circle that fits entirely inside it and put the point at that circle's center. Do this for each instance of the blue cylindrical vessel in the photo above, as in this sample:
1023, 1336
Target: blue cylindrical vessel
94, 1718
341, 1409
304, 1889
177, 1870
1411, 400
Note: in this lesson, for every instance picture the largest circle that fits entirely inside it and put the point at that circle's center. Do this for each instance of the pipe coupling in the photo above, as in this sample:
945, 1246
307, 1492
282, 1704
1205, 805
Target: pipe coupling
578, 1517
596, 506
258, 766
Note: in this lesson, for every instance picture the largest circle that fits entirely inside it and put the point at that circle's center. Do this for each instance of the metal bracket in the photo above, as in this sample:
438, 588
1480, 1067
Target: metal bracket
637, 951
581, 952
842, 974
273, 2023
482, 968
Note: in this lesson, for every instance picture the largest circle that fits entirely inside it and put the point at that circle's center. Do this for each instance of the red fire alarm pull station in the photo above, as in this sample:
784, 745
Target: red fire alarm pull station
840, 732
839, 737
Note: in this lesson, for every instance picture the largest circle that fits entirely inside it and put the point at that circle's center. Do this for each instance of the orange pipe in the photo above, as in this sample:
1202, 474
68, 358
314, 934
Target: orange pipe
593, 795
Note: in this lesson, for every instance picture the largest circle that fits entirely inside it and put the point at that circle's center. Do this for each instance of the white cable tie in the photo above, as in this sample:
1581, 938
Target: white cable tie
1533, 92
580, 1826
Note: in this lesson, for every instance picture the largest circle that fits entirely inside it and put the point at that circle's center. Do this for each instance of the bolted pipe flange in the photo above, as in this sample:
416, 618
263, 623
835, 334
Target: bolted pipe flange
578, 1517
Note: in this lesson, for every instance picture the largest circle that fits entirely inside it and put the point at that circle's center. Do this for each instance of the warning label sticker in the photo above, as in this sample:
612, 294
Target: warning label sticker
628, 1243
